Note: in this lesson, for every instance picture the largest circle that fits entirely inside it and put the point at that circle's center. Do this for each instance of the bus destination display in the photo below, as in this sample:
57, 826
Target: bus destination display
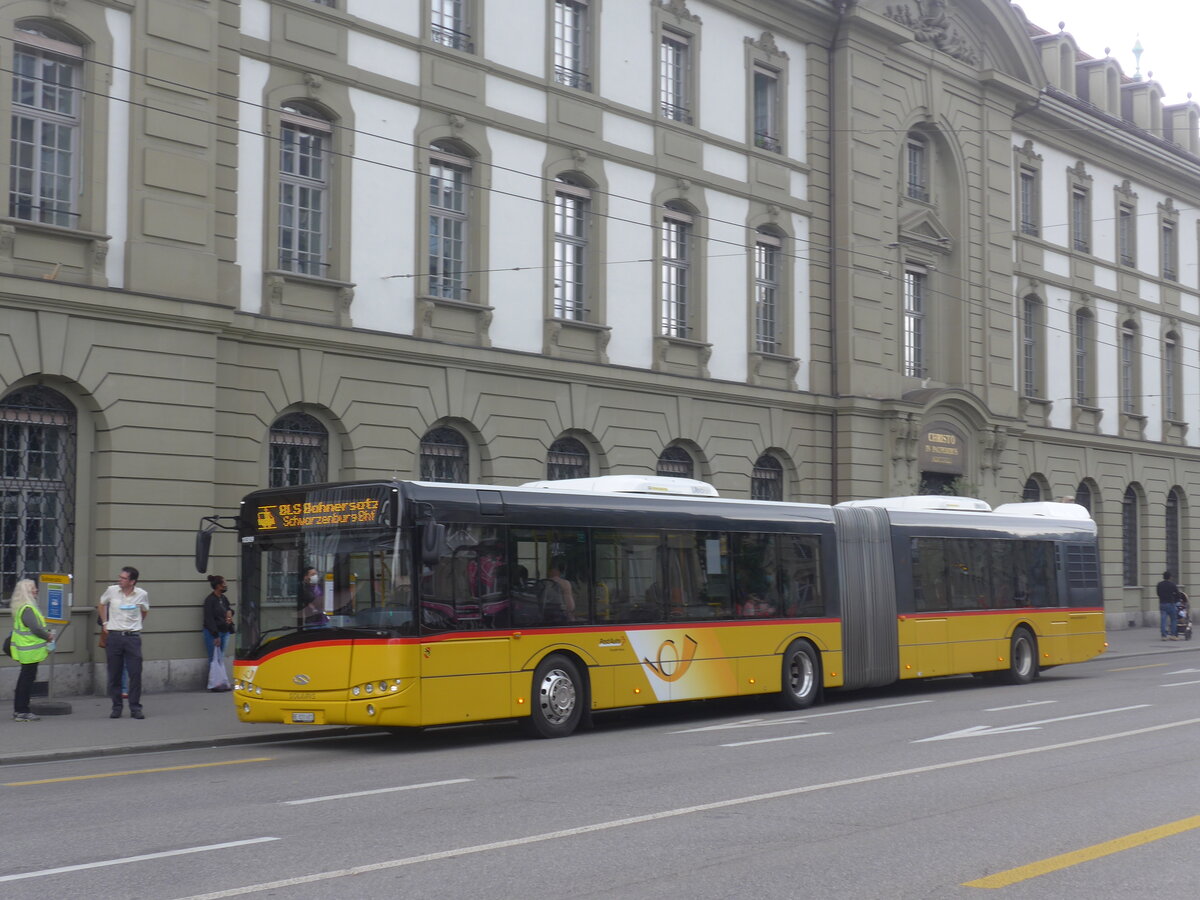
345, 508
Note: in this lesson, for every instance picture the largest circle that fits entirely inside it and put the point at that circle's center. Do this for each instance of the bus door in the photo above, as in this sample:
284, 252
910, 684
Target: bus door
464, 653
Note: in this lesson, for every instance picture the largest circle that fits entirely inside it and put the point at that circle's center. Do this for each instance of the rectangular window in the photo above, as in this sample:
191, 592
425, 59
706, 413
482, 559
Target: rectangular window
570, 44
448, 187
1081, 221
628, 576
976, 574
1029, 203
1031, 351
1083, 339
449, 26
914, 323
766, 110
676, 269
570, 252
918, 168
45, 133
1128, 378
1126, 233
766, 293
1170, 252
674, 72
1170, 381
303, 186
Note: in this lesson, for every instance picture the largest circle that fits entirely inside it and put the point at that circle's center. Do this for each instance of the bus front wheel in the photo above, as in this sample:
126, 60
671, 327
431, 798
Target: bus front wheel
801, 676
558, 695
1022, 657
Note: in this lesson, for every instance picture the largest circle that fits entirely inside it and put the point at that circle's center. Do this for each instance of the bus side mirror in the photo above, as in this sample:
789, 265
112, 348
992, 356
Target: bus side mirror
433, 538
203, 544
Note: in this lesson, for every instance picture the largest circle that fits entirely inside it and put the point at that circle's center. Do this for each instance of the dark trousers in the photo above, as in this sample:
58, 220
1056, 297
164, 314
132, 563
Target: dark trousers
24, 687
125, 655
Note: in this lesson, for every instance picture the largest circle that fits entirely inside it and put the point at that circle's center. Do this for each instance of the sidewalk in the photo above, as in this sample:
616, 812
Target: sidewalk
183, 719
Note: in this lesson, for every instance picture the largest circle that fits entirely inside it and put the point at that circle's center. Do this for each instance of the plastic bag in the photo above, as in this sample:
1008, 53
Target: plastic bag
218, 679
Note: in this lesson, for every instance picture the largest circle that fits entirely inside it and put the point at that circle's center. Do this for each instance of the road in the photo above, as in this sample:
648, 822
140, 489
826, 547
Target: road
1081, 785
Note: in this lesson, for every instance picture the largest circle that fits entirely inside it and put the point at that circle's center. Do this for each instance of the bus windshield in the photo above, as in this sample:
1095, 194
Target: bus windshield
302, 586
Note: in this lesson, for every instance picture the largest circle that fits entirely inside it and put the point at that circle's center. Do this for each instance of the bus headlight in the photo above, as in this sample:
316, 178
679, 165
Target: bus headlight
355, 691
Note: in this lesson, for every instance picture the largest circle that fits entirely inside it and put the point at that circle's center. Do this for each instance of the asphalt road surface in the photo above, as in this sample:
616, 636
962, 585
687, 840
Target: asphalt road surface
1083, 785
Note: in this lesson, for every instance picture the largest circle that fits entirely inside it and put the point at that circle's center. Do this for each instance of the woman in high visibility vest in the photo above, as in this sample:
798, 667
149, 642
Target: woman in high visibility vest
32, 642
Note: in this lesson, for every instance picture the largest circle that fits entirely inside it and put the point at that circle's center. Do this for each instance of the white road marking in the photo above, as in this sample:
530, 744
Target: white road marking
984, 730
1184, 672
790, 737
131, 859
1180, 683
1019, 705
793, 720
670, 813
387, 790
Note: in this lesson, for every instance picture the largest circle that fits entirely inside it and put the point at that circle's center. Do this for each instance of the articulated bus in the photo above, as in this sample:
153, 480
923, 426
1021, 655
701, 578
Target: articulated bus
437, 604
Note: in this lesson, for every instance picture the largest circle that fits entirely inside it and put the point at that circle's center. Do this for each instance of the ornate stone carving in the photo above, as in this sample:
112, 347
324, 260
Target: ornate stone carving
767, 45
678, 8
273, 296
931, 26
313, 83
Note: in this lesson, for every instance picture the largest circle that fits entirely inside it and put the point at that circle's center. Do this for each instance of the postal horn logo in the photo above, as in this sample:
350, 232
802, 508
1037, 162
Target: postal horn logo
673, 661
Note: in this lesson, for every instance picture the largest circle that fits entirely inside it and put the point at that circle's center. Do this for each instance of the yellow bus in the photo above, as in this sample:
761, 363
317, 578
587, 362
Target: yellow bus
436, 604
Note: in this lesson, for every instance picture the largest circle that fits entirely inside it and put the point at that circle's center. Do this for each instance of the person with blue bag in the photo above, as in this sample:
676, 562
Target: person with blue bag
31, 642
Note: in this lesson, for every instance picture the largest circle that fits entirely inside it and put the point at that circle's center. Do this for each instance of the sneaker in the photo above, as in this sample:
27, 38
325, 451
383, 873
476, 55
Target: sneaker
25, 717
137, 714
115, 714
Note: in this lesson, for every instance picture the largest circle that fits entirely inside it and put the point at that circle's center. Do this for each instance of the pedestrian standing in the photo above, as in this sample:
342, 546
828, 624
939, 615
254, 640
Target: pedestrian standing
32, 642
1168, 609
218, 622
123, 609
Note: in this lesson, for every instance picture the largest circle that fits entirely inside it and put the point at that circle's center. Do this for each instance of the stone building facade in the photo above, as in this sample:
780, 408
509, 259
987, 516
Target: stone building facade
805, 250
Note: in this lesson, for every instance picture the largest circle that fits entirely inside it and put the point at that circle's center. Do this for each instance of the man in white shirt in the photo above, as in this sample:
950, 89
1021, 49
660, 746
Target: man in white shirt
123, 607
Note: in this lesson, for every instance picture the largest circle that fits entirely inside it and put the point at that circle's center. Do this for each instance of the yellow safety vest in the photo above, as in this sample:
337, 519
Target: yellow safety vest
27, 647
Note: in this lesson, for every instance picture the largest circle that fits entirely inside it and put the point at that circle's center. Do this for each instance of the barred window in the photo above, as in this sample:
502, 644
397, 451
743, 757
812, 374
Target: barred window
571, 44
767, 481
299, 451
1032, 492
37, 484
444, 456
568, 458
449, 25
675, 462
674, 77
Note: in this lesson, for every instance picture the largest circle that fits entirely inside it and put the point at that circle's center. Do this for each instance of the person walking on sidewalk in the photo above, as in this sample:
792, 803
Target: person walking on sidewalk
123, 608
1168, 610
32, 642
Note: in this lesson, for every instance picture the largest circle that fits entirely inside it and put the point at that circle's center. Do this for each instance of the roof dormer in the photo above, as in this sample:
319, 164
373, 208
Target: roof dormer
1141, 104
1181, 125
1098, 81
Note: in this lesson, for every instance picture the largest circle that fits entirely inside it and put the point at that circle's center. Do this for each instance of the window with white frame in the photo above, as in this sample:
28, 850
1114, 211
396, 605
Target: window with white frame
767, 252
675, 274
571, 63
767, 132
917, 152
1128, 368
1170, 251
572, 202
674, 76
1028, 201
1171, 378
1126, 235
304, 163
44, 165
449, 24
1083, 358
1031, 347
449, 187
915, 284
1081, 219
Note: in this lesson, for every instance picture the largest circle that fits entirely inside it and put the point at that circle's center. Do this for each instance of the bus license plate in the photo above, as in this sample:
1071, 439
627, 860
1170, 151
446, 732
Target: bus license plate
304, 717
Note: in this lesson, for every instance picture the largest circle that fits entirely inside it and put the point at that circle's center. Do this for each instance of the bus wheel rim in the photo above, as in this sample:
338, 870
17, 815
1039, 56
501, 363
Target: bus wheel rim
802, 674
556, 696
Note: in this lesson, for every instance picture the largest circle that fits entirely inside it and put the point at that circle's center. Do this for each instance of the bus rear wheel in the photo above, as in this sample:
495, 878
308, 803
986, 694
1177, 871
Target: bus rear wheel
557, 698
801, 676
1022, 657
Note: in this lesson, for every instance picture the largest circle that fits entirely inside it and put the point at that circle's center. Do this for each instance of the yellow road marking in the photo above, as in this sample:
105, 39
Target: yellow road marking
1066, 860
1135, 668
232, 762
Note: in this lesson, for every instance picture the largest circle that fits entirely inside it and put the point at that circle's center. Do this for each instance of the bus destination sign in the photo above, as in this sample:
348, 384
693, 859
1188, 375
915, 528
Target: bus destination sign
347, 507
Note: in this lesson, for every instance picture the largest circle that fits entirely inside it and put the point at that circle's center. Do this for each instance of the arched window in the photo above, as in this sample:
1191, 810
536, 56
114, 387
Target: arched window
767, 481
676, 463
37, 484
568, 458
1171, 531
444, 456
1083, 496
299, 451
1129, 537
305, 139
1032, 492
45, 141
